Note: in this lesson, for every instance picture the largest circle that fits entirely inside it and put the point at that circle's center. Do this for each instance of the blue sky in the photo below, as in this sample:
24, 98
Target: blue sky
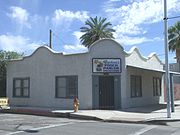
25, 24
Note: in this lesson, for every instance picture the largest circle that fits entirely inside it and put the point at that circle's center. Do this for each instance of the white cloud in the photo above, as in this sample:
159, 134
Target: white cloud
66, 17
77, 48
129, 28
173, 6
16, 43
128, 40
146, 11
78, 34
158, 39
114, 0
59, 19
141, 11
71, 49
20, 15
129, 19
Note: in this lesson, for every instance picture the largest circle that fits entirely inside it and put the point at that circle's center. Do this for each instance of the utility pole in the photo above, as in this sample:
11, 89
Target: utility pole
50, 38
166, 59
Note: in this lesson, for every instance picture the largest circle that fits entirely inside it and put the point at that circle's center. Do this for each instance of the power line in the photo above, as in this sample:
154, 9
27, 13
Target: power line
173, 17
162, 54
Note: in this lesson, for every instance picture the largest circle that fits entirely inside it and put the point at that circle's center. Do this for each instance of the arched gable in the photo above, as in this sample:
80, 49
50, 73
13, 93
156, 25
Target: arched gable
134, 58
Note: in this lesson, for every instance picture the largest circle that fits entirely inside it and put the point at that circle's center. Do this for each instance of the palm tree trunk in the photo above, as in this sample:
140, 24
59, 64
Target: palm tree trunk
178, 55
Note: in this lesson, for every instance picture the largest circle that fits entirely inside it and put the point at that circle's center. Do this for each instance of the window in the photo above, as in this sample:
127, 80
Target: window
156, 86
136, 88
21, 87
66, 86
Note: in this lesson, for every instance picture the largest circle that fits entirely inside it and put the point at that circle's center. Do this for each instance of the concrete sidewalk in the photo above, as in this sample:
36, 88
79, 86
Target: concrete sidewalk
131, 115
154, 113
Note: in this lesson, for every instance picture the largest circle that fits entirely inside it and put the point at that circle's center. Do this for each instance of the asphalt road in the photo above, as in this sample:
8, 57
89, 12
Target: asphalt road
14, 124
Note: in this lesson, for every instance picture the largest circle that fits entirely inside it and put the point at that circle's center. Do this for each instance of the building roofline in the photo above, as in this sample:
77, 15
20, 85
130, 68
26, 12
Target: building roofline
135, 49
103, 39
162, 71
146, 68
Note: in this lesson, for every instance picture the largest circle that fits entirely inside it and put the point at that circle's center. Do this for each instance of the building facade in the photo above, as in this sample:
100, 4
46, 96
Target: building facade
105, 77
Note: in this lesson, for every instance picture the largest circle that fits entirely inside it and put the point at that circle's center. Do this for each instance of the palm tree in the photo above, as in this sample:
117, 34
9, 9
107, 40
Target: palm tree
97, 28
174, 39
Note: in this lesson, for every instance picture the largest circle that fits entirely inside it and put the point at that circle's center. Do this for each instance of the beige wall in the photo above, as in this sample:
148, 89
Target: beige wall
152, 62
147, 87
44, 65
42, 68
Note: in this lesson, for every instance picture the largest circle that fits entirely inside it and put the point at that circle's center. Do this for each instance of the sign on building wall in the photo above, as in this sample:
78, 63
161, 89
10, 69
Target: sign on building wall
101, 65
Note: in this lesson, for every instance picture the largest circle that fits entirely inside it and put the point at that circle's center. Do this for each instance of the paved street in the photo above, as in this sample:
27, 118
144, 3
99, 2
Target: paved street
15, 124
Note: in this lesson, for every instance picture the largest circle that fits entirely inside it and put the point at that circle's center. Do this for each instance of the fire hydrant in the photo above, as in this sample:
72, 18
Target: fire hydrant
76, 104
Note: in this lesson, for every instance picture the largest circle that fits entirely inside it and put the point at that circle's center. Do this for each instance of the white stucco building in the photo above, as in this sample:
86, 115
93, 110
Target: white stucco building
105, 77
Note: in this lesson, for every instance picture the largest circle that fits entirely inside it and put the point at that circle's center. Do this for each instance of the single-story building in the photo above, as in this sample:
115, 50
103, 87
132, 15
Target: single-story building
105, 77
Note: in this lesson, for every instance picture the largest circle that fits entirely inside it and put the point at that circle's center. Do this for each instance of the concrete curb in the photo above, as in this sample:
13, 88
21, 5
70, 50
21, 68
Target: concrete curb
72, 115
29, 112
124, 121
84, 117
161, 122
154, 122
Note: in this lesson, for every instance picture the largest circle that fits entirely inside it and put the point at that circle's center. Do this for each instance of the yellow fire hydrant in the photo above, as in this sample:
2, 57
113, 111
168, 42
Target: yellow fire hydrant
76, 104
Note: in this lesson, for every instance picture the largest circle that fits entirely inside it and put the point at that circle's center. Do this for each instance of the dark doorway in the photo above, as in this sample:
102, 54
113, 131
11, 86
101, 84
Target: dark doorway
106, 92
2, 87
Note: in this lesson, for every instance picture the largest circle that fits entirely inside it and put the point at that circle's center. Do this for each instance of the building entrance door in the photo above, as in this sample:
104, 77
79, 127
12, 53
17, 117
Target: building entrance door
106, 92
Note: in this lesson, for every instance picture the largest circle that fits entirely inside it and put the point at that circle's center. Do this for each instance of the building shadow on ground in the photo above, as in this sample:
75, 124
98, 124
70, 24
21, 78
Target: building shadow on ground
148, 109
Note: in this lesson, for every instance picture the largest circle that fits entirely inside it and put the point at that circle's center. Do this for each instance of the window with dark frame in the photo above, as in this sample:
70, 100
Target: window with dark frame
156, 86
136, 86
21, 87
66, 86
